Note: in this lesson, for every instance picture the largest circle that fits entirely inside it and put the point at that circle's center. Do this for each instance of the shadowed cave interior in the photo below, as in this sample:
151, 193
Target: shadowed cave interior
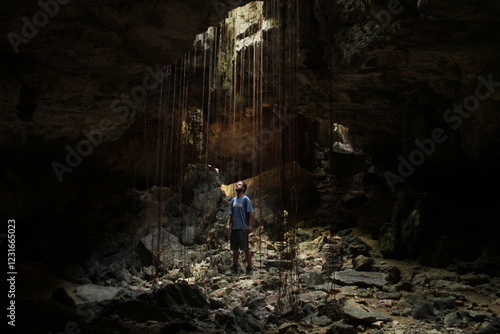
367, 131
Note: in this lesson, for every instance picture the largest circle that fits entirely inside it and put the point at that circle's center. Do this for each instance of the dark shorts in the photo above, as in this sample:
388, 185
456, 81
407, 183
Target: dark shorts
239, 239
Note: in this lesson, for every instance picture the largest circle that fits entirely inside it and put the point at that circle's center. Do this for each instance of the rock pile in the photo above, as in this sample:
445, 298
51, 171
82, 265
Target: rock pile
336, 284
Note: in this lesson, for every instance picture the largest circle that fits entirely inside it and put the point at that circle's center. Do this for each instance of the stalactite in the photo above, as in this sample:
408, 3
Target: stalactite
260, 123
284, 82
160, 167
174, 123
205, 117
234, 84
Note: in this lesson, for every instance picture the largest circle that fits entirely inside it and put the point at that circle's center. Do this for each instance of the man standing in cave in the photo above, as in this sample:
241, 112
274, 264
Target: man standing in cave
240, 225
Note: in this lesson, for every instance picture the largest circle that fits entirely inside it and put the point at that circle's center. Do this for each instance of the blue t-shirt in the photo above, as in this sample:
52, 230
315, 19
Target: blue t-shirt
240, 212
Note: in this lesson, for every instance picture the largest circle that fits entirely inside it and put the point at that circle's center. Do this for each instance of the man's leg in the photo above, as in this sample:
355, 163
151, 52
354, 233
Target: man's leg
236, 251
248, 255
236, 255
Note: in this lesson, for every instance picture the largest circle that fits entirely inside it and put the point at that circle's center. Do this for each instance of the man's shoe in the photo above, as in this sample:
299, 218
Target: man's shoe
233, 270
249, 271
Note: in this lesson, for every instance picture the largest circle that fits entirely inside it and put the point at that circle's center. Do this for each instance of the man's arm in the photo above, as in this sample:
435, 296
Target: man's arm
250, 223
228, 225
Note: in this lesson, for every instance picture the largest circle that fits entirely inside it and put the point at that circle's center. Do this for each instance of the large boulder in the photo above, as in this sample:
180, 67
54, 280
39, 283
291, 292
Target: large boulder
193, 209
360, 278
158, 246
401, 237
363, 313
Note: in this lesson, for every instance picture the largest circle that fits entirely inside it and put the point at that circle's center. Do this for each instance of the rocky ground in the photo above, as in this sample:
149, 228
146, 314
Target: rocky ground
327, 283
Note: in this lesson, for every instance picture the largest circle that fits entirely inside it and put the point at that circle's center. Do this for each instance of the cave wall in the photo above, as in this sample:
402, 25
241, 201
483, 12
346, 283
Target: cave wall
398, 67
409, 79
